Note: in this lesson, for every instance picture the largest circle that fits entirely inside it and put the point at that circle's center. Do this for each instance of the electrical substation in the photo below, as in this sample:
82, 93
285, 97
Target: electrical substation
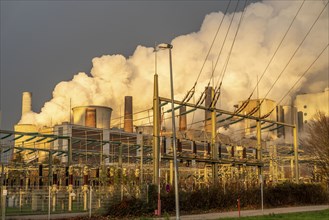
85, 164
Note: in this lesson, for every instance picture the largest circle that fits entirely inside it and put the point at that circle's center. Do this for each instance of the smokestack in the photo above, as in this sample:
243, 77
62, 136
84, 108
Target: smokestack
128, 116
182, 118
26, 102
290, 114
207, 125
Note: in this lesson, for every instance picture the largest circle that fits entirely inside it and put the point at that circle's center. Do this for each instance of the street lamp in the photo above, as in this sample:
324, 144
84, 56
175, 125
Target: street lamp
163, 47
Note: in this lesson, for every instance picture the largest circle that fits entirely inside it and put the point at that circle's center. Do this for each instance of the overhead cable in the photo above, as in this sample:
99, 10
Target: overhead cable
292, 56
191, 92
217, 91
203, 95
278, 47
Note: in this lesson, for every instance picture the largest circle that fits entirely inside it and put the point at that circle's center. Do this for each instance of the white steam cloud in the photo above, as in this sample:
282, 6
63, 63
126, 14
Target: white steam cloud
262, 28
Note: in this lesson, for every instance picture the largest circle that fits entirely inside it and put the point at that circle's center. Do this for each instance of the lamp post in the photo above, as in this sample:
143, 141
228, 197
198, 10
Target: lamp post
163, 47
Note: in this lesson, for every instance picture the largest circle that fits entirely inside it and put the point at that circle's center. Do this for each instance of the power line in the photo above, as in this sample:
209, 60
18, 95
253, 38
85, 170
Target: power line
191, 92
217, 91
245, 103
293, 55
278, 47
230, 51
203, 95
301, 76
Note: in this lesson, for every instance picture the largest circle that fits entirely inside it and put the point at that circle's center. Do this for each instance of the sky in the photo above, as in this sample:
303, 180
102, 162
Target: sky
46, 42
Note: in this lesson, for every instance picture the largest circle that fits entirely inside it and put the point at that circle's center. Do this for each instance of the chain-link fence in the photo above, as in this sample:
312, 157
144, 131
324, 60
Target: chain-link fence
56, 200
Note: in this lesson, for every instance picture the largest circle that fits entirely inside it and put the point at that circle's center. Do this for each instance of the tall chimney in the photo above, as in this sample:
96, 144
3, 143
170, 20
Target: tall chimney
128, 116
207, 125
26, 102
182, 118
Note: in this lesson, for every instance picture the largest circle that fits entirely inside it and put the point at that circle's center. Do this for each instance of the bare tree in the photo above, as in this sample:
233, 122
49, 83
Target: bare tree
316, 142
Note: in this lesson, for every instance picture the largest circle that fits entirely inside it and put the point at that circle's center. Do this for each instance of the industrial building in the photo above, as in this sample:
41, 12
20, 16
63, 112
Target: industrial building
309, 104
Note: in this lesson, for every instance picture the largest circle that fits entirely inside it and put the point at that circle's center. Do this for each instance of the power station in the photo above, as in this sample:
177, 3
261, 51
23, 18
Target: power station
86, 152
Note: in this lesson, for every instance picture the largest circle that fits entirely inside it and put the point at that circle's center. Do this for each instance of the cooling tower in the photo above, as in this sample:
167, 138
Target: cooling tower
92, 116
26, 102
128, 116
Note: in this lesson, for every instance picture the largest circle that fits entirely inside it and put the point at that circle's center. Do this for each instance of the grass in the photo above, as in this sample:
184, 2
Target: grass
318, 215
27, 210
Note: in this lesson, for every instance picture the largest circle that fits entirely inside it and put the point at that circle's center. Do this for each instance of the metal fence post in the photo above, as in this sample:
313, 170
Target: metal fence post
3, 203
262, 192
49, 191
90, 198
3, 194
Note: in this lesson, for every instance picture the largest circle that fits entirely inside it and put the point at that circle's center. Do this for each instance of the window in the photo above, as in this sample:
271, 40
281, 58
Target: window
305, 106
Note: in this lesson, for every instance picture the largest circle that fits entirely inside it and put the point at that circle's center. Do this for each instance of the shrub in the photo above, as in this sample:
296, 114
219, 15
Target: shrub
288, 194
213, 197
129, 207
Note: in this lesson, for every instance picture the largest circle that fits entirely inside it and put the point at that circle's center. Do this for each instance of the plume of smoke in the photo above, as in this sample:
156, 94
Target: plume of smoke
262, 28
